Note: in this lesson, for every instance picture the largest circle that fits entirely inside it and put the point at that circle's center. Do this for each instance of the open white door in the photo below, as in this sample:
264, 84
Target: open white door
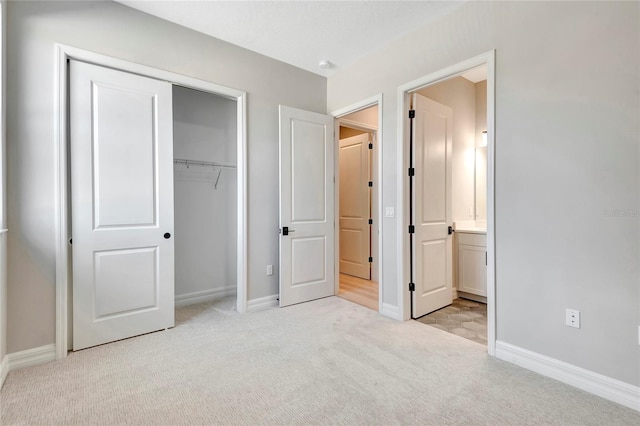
355, 206
306, 206
432, 247
122, 204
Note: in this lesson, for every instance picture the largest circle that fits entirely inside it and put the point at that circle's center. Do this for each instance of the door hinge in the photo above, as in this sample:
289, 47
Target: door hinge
370, 259
370, 221
412, 171
412, 287
450, 230
370, 184
486, 260
412, 113
412, 229
370, 145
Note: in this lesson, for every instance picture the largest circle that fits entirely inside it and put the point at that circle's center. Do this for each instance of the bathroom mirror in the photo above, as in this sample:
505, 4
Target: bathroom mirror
480, 162
481, 183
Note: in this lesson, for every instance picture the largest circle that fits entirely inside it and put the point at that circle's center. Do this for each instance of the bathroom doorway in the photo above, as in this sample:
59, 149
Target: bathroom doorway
450, 204
463, 250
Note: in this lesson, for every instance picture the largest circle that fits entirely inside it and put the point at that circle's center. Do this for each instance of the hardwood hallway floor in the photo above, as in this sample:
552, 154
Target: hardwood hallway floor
357, 290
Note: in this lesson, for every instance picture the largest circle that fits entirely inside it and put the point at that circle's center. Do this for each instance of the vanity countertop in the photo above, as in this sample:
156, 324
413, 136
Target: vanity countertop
470, 227
472, 230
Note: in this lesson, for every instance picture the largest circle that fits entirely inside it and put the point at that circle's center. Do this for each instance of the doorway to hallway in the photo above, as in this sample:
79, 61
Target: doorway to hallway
357, 207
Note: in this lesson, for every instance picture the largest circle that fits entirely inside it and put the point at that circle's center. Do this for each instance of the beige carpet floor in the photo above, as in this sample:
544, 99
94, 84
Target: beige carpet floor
325, 362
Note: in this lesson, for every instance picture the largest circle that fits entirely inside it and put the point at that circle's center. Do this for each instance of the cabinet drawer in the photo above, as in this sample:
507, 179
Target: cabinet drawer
472, 239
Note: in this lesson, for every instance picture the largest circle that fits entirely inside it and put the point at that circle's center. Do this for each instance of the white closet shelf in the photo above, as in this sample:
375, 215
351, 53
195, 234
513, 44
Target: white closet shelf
203, 163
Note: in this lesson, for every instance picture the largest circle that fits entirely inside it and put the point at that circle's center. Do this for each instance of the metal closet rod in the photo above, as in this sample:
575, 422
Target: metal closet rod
203, 163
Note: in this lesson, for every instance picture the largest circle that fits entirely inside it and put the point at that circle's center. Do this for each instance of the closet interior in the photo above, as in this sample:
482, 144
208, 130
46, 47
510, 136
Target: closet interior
205, 195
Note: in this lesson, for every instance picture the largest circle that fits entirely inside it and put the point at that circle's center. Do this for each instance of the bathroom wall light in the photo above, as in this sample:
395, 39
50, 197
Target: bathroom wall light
484, 139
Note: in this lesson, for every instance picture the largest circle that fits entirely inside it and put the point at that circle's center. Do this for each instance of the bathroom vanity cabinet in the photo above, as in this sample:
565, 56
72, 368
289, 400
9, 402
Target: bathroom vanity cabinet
472, 262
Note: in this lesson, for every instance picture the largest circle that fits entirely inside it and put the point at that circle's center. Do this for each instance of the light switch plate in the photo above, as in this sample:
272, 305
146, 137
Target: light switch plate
389, 212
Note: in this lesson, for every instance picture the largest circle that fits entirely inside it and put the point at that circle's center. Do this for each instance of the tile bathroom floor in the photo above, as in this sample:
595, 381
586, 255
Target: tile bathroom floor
464, 318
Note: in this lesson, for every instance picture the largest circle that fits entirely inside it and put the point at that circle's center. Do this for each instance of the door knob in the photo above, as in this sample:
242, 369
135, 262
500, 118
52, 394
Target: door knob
167, 235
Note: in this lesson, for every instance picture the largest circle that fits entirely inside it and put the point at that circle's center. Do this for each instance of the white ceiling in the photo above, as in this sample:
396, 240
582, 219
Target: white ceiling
476, 74
302, 33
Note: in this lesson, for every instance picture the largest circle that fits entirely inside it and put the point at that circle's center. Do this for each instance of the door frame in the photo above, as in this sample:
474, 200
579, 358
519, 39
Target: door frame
377, 167
403, 96
63, 54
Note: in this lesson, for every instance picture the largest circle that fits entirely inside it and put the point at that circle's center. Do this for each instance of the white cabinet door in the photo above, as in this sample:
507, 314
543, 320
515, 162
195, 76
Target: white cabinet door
122, 204
472, 263
306, 206
355, 206
432, 245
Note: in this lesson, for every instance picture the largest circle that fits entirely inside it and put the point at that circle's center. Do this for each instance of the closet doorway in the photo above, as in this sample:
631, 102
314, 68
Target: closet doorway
205, 195
357, 213
137, 117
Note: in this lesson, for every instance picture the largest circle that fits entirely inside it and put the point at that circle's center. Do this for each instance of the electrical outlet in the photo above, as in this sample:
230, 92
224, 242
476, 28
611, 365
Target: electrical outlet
573, 318
269, 269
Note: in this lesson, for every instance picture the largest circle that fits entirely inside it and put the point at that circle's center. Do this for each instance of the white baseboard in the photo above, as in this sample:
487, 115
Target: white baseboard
597, 384
4, 370
262, 303
203, 296
391, 311
31, 357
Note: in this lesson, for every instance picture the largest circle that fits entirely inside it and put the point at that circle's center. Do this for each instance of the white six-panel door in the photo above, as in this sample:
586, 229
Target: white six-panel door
122, 204
306, 206
432, 246
355, 206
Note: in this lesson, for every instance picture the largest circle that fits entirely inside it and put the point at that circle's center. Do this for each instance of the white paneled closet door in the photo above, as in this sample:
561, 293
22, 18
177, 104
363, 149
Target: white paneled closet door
122, 204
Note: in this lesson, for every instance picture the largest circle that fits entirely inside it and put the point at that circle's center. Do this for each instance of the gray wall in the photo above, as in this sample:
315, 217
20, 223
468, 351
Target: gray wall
116, 30
567, 153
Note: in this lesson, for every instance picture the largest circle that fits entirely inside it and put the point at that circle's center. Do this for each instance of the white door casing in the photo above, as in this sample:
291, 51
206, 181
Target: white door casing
355, 206
433, 245
122, 204
306, 206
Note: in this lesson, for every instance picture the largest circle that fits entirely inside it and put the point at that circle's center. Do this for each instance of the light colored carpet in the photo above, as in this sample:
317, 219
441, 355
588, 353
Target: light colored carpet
325, 362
